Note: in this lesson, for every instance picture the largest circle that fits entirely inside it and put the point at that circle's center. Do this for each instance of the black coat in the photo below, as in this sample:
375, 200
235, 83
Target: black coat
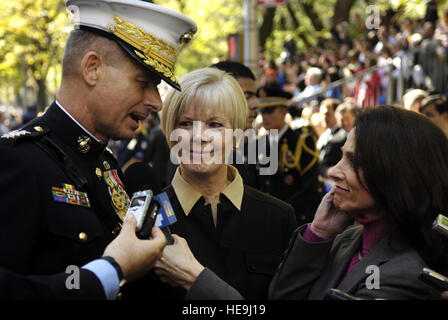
244, 250
14, 286
298, 186
40, 235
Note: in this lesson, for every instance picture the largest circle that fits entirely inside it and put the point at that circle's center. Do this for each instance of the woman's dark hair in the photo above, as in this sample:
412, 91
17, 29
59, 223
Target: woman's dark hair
403, 157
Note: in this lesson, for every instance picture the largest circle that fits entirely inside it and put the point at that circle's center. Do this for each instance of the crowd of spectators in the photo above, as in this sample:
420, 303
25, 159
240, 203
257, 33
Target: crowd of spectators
379, 66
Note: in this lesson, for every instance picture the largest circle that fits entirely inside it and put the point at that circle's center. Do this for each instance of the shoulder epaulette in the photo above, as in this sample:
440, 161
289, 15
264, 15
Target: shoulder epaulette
26, 133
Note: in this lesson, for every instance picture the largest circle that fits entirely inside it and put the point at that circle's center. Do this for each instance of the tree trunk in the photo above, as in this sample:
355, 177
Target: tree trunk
295, 22
293, 15
266, 26
311, 13
42, 100
342, 11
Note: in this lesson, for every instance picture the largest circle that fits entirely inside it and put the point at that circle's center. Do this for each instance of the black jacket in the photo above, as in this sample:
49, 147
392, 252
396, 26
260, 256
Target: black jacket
39, 234
299, 186
14, 286
245, 248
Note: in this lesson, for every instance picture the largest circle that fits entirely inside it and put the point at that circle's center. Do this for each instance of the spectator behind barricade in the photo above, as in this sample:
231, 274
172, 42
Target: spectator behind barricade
412, 99
317, 122
331, 76
281, 75
393, 180
313, 78
332, 139
290, 47
441, 32
269, 76
342, 33
436, 109
368, 88
432, 58
346, 114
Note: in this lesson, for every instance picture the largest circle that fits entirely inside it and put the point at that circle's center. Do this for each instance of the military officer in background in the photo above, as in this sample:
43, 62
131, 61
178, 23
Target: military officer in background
61, 189
296, 179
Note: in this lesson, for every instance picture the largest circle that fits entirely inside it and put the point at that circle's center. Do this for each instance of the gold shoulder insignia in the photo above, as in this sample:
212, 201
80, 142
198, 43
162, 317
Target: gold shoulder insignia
15, 134
292, 161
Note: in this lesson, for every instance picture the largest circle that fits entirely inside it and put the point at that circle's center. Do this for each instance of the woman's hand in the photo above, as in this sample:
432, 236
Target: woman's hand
178, 266
328, 220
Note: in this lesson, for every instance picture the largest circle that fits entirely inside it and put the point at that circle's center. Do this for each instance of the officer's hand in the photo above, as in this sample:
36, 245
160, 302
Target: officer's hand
178, 266
328, 220
135, 257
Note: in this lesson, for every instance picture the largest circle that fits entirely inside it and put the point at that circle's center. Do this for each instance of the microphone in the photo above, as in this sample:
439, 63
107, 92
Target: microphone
440, 224
140, 176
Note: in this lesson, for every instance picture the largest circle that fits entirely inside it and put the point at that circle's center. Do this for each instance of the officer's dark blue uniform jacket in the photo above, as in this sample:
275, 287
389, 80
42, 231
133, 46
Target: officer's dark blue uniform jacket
41, 235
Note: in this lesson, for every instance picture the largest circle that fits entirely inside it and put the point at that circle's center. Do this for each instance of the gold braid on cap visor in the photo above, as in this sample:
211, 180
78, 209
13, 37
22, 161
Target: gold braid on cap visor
154, 52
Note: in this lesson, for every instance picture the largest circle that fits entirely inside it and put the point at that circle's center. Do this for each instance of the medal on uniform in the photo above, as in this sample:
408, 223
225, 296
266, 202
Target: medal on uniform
68, 194
120, 199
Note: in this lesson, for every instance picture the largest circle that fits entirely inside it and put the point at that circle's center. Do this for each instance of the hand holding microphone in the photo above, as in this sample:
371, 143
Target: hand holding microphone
431, 277
177, 265
148, 205
135, 257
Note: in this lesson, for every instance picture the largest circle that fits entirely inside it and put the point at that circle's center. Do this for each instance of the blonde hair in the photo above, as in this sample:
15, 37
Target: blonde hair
205, 88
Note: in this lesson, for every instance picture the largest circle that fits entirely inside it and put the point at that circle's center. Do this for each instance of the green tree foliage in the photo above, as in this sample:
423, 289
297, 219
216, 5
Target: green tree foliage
310, 21
32, 34
216, 20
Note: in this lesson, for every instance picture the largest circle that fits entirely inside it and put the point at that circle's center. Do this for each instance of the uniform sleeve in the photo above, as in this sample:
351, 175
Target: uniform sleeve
14, 286
19, 214
107, 275
301, 266
208, 286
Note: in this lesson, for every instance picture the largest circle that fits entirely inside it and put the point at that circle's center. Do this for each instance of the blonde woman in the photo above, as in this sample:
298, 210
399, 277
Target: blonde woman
234, 231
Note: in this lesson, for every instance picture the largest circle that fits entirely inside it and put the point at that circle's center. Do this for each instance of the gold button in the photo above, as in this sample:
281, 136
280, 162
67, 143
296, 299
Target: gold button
83, 236
98, 172
38, 128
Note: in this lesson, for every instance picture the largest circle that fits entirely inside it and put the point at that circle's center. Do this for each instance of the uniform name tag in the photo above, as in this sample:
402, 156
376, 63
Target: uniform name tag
68, 194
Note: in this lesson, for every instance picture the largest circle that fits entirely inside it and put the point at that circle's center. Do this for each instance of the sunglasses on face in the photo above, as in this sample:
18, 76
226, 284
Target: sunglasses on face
268, 110
249, 94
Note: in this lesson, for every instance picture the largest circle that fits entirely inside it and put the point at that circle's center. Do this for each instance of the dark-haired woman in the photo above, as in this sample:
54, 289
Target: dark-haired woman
393, 181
